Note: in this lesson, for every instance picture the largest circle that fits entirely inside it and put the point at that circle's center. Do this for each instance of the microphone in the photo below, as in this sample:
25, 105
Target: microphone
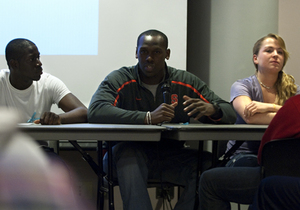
165, 88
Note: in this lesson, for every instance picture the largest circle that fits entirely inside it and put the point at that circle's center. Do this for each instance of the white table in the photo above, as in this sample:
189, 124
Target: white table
120, 132
214, 132
87, 131
99, 132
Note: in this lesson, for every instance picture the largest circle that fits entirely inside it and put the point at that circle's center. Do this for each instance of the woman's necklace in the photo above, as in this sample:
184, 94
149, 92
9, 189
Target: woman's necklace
262, 84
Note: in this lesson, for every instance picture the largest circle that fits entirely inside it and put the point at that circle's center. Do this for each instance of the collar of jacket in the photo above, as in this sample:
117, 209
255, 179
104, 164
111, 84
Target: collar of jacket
136, 68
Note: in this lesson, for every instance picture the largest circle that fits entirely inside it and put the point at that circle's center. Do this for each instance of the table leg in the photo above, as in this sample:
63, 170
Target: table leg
110, 177
100, 193
214, 153
200, 160
199, 170
97, 168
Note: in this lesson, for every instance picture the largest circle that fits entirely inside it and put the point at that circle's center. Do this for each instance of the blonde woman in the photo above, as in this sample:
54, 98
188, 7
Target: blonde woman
257, 99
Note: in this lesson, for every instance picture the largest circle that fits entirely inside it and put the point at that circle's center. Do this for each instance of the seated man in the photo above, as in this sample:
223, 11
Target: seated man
132, 95
30, 91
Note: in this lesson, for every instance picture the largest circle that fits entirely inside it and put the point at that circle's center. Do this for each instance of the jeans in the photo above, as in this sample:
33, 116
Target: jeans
220, 186
243, 160
278, 193
136, 162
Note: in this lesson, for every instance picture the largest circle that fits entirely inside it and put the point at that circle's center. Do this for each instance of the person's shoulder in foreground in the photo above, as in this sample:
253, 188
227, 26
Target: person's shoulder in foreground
134, 95
285, 124
24, 82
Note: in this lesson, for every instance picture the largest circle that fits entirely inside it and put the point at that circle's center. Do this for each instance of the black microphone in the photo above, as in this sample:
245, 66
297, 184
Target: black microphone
165, 88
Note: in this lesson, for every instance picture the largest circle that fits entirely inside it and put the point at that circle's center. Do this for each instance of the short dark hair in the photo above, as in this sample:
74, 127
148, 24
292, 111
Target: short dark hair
153, 32
15, 49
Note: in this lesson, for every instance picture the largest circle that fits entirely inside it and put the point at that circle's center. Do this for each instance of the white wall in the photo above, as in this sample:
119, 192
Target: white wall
120, 23
288, 28
236, 26
221, 51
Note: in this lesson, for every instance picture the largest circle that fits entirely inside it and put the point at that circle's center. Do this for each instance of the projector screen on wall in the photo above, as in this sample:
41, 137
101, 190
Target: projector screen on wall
82, 41
55, 26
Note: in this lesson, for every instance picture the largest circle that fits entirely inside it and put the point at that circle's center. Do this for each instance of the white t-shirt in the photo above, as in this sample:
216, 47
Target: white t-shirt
38, 98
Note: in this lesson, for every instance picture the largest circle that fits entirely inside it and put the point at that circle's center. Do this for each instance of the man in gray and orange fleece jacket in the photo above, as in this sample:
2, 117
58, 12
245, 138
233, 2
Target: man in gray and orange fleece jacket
132, 95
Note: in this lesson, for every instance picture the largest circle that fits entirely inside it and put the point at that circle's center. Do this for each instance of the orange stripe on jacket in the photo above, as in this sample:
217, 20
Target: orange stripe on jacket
195, 90
122, 86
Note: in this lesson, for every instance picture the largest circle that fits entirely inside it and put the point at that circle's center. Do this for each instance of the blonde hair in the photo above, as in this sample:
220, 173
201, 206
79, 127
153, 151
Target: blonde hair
285, 87
285, 84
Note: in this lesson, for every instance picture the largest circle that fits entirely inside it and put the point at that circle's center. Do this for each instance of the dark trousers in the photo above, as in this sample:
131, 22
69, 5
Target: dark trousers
278, 193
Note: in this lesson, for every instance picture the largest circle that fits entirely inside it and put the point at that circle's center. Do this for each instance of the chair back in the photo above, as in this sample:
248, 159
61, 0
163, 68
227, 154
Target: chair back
281, 157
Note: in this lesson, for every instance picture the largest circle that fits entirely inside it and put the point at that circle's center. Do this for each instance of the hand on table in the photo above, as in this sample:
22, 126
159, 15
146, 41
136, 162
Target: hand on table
49, 118
163, 113
197, 106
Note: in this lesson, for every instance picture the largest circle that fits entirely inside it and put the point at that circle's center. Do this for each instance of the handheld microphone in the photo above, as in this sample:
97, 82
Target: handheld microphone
165, 88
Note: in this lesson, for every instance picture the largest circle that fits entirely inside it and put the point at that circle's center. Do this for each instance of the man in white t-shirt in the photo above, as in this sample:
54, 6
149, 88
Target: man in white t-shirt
26, 88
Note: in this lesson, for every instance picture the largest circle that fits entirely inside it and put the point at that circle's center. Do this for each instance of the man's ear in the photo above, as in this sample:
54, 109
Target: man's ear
136, 53
168, 54
14, 64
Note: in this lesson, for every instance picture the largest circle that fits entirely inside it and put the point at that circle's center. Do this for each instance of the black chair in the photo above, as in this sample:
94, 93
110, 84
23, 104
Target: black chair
164, 191
281, 157
165, 188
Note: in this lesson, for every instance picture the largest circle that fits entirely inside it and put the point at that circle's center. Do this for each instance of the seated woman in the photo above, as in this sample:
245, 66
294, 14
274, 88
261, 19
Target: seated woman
257, 98
220, 186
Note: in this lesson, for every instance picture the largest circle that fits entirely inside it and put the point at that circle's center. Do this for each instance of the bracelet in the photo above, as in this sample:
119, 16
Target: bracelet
274, 107
148, 118
149, 115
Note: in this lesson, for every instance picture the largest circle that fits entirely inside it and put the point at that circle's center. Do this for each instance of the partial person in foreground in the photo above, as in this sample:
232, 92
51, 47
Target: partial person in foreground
28, 179
220, 186
257, 98
133, 95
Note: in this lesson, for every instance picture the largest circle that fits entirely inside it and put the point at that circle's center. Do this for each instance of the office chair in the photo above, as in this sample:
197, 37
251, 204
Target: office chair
281, 157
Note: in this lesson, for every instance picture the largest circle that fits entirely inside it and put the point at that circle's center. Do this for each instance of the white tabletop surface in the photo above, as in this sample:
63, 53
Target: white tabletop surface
87, 131
214, 131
